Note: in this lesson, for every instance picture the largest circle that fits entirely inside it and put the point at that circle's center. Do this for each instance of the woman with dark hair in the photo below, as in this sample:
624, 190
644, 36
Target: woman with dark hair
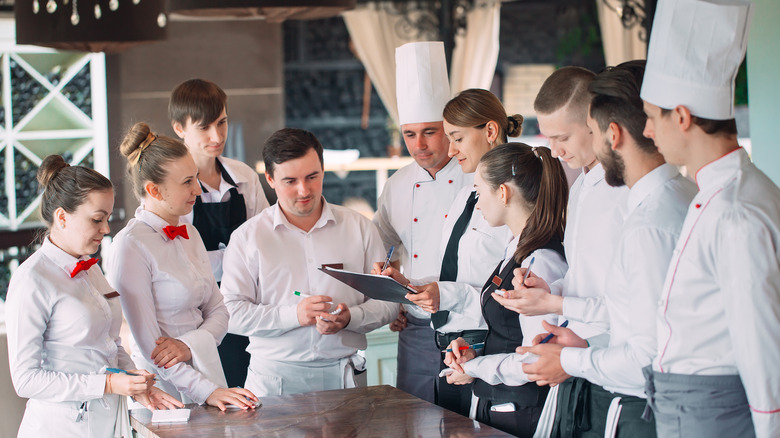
161, 268
524, 188
63, 318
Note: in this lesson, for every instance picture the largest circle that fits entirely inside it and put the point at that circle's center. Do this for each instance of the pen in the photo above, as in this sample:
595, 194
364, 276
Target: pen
389, 254
548, 337
474, 346
121, 371
528, 271
303, 295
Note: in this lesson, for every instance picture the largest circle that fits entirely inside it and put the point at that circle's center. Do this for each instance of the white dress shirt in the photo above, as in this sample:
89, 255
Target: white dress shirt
247, 184
481, 248
62, 335
657, 205
167, 289
507, 368
720, 306
596, 212
268, 259
411, 212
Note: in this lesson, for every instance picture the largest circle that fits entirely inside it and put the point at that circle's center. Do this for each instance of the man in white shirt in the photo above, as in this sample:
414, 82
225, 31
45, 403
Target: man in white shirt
304, 327
415, 200
657, 203
716, 372
595, 211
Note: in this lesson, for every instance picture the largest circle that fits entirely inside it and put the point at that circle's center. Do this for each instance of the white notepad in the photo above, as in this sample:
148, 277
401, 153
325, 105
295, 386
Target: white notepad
170, 415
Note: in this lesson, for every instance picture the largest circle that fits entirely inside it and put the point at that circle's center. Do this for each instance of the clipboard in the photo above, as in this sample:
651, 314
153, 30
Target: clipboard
378, 287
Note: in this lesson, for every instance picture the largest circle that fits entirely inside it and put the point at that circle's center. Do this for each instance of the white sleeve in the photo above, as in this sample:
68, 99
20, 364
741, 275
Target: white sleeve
590, 310
28, 314
748, 256
130, 272
621, 365
494, 369
241, 289
371, 314
386, 230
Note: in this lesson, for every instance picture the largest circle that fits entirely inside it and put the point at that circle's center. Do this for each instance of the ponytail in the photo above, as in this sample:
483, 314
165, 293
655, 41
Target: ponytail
541, 182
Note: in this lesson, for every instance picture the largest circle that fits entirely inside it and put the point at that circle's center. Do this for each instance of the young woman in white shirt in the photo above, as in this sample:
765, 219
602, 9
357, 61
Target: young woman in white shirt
63, 318
524, 188
161, 268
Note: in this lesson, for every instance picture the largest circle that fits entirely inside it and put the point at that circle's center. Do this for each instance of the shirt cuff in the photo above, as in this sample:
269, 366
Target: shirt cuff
289, 316
573, 308
96, 385
355, 319
572, 359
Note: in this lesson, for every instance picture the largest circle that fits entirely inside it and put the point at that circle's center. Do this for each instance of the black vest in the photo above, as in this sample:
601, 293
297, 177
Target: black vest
505, 335
215, 221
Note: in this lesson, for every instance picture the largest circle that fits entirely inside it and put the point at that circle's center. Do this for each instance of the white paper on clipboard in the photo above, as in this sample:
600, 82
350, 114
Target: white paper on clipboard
378, 287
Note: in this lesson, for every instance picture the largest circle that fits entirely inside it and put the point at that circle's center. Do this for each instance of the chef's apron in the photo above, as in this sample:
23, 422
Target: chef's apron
215, 222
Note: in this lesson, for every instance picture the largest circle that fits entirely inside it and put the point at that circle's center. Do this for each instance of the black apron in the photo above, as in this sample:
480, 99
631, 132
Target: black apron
215, 221
504, 336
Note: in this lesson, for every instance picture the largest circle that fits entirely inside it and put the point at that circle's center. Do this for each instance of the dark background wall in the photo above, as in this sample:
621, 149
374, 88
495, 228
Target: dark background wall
243, 57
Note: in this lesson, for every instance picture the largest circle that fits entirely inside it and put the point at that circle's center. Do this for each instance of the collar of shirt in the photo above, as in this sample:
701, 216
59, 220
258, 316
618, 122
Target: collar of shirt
281, 220
60, 258
156, 222
224, 186
510, 249
648, 184
422, 175
593, 176
717, 172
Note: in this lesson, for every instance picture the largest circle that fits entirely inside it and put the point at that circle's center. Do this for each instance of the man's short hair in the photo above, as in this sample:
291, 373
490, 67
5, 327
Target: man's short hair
566, 86
198, 100
288, 144
725, 128
616, 100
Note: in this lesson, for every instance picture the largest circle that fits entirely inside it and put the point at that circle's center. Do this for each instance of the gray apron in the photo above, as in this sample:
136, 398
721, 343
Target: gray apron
698, 406
418, 358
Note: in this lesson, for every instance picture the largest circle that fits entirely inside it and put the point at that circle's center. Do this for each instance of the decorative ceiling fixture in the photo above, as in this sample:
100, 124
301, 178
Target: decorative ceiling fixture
631, 13
269, 10
89, 25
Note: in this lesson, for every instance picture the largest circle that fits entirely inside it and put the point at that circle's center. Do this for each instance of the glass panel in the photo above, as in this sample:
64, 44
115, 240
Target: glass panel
26, 182
79, 90
26, 92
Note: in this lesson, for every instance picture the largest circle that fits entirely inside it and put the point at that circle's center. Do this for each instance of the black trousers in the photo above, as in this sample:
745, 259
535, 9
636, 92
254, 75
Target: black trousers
522, 422
456, 398
234, 358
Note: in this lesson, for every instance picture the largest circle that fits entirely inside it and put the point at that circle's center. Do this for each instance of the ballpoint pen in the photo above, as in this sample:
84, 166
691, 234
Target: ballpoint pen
550, 336
528, 270
387, 260
466, 347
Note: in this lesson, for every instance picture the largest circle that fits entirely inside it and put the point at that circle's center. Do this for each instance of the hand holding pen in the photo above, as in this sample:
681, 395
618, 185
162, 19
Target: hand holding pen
560, 335
132, 383
311, 306
459, 352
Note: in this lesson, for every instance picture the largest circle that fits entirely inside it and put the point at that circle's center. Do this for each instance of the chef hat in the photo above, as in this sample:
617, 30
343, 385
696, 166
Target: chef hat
421, 82
696, 47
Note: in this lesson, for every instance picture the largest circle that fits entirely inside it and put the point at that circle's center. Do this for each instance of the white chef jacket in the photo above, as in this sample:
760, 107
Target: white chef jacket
411, 212
268, 259
657, 205
247, 184
62, 335
506, 368
167, 290
719, 312
481, 248
596, 212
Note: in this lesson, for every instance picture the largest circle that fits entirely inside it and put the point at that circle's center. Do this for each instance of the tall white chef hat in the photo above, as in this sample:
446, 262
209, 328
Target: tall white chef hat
421, 82
696, 47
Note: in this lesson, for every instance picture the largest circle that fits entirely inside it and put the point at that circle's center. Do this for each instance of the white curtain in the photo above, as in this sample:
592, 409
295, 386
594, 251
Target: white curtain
376, 33
620, 44
476, 50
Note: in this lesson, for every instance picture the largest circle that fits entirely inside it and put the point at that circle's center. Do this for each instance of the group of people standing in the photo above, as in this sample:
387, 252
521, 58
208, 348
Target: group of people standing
630, 304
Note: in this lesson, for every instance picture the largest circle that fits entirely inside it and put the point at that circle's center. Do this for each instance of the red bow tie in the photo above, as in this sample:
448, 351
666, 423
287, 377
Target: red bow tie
172, 232
83, 265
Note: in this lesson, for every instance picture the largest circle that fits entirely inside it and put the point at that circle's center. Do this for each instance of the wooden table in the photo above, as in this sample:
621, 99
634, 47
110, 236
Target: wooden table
374, 411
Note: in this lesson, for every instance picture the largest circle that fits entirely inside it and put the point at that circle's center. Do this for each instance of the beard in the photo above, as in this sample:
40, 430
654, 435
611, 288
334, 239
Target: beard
614, 167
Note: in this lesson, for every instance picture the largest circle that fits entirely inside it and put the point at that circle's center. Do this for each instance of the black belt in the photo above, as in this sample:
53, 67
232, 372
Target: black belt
443, 340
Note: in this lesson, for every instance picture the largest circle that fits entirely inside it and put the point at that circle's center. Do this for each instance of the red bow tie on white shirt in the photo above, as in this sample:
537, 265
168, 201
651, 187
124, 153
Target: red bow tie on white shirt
172, 232
83, 265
